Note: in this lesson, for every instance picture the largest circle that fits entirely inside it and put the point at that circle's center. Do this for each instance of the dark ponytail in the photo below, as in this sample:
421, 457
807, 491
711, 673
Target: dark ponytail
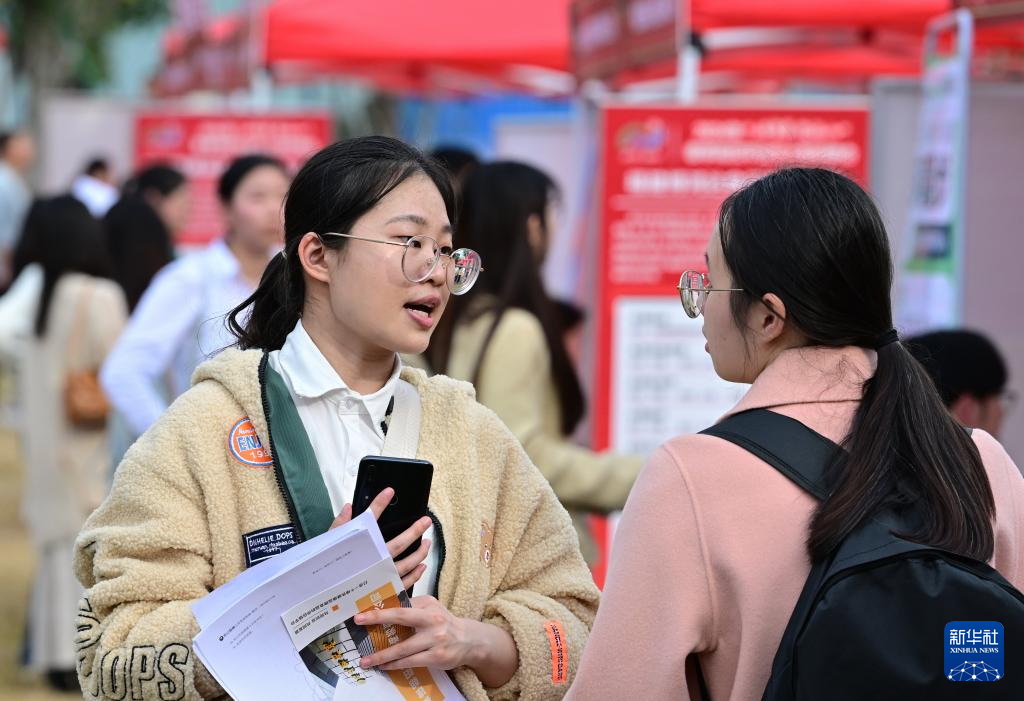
815, 239
273, 309
905, 445
336, 187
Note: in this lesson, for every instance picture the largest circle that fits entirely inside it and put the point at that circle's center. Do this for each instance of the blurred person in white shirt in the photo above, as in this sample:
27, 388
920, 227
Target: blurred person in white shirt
94, 187
17, 154
179, 320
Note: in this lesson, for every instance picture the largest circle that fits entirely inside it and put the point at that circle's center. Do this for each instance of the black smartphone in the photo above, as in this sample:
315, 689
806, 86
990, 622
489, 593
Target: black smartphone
411, 481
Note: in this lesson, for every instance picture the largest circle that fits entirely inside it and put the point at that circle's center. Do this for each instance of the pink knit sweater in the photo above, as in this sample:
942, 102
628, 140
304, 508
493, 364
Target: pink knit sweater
709, 558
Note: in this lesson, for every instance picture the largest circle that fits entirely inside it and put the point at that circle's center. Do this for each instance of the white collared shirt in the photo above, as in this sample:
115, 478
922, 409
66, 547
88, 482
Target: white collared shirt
97, 195
343, 426
178, 323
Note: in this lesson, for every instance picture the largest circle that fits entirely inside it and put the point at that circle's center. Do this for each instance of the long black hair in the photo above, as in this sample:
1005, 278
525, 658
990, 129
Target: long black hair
140, 244
498, 200
814, 238
62, 237
336, 187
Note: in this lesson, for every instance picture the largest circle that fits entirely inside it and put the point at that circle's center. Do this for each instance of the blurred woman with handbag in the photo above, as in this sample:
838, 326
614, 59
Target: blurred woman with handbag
75, 321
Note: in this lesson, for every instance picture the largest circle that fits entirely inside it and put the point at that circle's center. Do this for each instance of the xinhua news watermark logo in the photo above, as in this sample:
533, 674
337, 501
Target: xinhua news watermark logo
974, 651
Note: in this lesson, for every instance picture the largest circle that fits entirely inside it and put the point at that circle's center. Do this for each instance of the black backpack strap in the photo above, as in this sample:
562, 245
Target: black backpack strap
796, 451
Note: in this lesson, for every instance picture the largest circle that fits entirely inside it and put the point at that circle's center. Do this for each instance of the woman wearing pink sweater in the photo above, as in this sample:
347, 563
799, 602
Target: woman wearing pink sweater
715, 545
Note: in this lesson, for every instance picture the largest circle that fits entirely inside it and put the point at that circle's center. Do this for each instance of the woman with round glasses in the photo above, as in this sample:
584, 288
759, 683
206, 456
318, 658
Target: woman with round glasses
270, 437
796, 303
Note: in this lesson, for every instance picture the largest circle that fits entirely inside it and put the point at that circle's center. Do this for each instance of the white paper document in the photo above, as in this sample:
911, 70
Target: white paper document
330, 644
283, 630
223, 597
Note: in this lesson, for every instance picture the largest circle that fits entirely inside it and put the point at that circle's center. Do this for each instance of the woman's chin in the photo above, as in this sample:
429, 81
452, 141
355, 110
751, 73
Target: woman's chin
723, 372
412, 344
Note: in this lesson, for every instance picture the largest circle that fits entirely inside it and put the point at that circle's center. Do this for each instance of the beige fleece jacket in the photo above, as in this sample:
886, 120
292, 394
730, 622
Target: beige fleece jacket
172, 530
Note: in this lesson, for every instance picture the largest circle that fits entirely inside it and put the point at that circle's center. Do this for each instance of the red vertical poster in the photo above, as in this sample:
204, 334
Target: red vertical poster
666, 170
201, 145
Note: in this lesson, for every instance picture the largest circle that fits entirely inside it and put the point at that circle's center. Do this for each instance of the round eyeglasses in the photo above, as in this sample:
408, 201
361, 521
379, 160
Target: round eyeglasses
693, 292
421, 256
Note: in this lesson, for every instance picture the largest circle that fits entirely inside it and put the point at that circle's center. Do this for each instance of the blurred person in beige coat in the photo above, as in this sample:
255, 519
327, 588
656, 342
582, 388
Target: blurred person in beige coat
72, 323
508, 341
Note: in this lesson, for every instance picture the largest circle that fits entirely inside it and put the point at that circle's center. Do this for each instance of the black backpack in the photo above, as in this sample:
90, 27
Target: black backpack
871, 620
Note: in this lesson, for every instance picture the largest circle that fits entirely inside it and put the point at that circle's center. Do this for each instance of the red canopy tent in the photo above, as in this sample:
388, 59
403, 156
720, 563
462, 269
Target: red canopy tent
708, 14
533, 32
418, 44
404, 45
839, 41
478, 45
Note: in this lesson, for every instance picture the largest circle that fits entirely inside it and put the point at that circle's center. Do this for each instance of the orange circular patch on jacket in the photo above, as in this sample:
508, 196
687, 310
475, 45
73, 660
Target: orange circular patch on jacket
245, 446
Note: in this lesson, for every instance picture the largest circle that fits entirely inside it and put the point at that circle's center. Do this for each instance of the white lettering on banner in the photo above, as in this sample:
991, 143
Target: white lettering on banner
661, 181
773, 129
837, 155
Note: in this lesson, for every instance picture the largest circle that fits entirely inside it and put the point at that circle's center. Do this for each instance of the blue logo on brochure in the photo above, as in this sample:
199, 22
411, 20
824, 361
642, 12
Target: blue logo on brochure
974, 651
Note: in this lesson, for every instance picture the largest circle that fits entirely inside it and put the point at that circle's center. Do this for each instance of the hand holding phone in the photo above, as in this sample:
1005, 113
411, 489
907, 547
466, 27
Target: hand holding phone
411, 568
396, 491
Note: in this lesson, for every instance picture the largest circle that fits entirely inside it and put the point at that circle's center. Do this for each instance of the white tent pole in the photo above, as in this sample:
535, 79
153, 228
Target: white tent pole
687, 56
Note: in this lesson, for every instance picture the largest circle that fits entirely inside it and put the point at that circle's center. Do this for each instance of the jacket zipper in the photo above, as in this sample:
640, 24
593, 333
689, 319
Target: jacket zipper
439, 535
278, 471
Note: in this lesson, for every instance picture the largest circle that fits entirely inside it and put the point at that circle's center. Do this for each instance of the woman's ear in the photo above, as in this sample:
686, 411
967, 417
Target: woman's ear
770, 321
312, 255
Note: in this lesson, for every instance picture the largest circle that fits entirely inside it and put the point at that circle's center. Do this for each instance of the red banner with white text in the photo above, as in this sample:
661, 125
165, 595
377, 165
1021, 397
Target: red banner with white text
666, 170
202, 145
